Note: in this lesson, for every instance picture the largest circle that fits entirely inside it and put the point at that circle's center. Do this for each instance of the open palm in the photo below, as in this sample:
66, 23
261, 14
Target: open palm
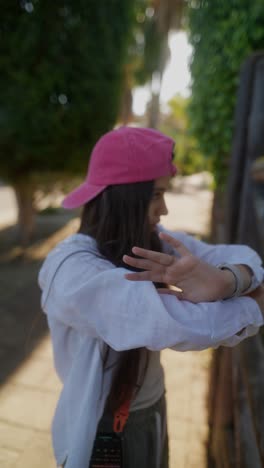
198, 281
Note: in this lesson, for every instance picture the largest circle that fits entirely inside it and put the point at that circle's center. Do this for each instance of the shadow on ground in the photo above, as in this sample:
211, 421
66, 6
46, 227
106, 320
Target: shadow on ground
22, 324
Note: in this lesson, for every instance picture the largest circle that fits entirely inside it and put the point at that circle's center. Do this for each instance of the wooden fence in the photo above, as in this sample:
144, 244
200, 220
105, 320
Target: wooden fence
236, 399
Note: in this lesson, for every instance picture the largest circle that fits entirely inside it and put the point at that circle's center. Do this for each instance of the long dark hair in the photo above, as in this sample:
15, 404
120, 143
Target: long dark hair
117, 219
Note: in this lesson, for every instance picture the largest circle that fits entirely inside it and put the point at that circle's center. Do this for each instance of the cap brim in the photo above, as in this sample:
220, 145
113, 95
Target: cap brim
81, 195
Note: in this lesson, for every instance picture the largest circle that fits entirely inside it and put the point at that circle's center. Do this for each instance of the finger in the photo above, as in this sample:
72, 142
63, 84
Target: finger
175, 243
140, 263
144, 276
171, 292
157, 257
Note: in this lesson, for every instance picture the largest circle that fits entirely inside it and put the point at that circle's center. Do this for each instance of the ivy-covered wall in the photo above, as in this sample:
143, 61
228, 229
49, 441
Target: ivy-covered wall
223, 33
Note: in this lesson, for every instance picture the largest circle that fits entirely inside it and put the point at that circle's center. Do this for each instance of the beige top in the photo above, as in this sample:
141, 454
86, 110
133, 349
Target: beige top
153, 385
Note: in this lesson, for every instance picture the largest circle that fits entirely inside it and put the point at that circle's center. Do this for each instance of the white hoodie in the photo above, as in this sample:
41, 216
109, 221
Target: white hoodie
89, 304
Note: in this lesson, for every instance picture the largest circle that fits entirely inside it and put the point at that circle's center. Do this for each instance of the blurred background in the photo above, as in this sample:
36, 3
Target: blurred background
71, 71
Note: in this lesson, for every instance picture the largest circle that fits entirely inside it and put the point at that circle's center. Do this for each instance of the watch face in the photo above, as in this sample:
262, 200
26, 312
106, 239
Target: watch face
107, 451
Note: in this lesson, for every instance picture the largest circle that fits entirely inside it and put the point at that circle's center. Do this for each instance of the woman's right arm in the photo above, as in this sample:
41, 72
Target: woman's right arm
100, 302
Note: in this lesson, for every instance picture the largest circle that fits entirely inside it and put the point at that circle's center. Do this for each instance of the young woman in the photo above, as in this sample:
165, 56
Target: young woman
107, 331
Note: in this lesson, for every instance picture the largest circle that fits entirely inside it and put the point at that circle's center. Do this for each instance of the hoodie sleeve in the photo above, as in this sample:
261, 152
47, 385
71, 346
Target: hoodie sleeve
96, 300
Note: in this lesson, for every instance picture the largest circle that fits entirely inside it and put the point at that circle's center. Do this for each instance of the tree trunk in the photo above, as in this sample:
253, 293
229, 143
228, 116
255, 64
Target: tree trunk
24, 191
126, 112
154, 103
154, 111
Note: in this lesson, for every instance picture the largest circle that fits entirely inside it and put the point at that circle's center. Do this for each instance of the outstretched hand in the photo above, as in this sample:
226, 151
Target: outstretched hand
196, 280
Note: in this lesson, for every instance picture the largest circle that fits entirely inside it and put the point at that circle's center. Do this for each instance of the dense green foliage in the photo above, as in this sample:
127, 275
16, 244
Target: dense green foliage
175, 123
60, 78
150, 43
223, 33
145, 45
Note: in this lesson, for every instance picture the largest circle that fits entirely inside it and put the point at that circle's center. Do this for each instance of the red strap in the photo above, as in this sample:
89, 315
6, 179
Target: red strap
121, 417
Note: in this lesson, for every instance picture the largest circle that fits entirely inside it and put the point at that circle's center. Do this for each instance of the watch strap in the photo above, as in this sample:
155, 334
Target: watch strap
239, 279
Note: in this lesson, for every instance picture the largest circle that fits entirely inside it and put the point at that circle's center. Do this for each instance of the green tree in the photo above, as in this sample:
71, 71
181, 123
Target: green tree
176, 124
61, 71
148, 52
168, 15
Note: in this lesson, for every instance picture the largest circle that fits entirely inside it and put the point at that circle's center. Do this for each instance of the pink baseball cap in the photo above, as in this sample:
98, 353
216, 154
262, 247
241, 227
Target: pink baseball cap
123, 156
